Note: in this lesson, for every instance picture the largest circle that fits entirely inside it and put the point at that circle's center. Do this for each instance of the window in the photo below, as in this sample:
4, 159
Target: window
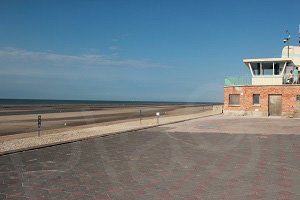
234, 99
298, 98
256, 99
267, 68
256, 68
276, 69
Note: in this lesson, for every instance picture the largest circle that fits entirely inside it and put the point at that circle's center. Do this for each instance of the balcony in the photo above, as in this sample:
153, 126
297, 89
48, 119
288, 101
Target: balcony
237, 80
256, 80
267, 80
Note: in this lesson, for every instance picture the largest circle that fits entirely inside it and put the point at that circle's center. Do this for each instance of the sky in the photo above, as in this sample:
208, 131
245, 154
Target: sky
136, 50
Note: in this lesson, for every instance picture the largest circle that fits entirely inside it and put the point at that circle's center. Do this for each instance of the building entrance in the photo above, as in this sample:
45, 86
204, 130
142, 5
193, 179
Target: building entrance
275, 105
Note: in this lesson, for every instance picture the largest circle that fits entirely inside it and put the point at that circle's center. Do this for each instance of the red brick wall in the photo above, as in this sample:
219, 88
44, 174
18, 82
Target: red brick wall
288, 93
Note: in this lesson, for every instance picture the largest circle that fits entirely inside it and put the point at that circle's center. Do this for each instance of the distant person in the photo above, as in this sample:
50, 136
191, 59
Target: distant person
290, 79
296, 75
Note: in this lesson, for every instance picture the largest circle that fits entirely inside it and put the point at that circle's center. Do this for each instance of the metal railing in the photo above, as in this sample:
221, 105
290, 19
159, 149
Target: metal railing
238, 80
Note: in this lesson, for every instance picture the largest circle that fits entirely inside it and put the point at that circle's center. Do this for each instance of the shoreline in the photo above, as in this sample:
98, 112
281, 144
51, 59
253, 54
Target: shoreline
27, 123
77, 134
16, 109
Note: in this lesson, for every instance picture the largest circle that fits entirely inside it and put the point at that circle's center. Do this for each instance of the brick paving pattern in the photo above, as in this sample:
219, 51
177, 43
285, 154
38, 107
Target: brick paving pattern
157, 164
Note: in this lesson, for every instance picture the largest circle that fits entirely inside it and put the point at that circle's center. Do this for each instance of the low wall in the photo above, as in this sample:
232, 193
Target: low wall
218, 109
245, 113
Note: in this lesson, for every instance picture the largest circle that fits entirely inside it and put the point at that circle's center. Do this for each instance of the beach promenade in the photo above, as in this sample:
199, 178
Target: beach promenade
212, 158
21, 120
16, 143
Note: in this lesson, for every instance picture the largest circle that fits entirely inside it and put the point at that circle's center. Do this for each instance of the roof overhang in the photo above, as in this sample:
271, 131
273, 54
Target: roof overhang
267, 60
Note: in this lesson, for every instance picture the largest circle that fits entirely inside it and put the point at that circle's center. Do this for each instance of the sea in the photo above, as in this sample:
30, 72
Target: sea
94, 102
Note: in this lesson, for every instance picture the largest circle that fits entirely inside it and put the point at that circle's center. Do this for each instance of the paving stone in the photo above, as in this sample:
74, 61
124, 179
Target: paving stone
158, 164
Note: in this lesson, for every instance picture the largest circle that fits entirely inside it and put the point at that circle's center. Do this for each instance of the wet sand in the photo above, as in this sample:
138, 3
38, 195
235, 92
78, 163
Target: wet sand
21, 120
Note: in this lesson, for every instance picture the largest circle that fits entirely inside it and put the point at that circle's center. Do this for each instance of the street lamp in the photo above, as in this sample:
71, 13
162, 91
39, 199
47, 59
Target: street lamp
287, 40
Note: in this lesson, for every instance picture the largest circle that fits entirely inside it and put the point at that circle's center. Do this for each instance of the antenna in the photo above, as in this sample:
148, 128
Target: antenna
289, 34
299, 33
287, 40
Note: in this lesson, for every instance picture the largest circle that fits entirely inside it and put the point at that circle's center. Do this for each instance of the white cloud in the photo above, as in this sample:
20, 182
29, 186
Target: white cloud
84, 60
113, 48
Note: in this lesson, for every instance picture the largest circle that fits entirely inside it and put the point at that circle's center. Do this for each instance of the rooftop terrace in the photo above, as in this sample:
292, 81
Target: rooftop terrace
268, 71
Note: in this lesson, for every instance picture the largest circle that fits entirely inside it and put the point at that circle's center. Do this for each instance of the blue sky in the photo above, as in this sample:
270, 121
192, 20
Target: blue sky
135, 50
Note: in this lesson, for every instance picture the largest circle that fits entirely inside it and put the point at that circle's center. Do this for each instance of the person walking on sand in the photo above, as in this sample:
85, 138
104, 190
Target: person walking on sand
296, 76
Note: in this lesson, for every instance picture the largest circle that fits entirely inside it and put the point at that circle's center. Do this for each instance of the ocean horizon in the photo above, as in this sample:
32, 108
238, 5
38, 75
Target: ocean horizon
94, 102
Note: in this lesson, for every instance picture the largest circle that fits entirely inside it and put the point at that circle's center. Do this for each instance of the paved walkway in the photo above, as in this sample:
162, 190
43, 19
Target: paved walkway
176, 161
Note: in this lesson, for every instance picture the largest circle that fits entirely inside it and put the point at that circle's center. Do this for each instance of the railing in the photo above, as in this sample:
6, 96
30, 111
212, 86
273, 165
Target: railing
238, 80
257, 80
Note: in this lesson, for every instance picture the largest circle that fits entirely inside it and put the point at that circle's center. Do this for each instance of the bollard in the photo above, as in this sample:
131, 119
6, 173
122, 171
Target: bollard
140, 117
39, 125
157, 117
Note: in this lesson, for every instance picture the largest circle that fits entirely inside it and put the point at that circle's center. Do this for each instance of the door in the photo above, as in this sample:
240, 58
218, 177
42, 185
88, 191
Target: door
275, 105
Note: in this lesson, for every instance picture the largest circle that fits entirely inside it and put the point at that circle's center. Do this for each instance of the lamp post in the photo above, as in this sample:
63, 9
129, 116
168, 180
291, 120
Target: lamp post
287, 40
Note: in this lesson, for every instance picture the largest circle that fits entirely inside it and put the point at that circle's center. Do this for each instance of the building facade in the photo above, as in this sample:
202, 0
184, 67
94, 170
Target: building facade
269, 90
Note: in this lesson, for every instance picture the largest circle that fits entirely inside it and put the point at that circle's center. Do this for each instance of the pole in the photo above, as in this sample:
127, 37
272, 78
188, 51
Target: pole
140, 117
288, 48
288, 41
39, 125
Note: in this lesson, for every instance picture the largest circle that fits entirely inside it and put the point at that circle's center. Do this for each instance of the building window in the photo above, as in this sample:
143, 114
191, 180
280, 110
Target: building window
276, 69
256, 68
267, 68
298, 98
234, 99
256, 99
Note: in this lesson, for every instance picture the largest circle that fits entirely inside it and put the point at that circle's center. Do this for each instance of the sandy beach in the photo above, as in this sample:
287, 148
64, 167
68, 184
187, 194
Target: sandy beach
19, 121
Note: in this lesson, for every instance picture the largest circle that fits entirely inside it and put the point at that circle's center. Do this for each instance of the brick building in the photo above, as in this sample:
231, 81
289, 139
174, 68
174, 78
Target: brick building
269, 91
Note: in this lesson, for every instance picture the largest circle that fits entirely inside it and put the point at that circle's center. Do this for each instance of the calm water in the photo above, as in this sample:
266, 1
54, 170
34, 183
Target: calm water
88, 102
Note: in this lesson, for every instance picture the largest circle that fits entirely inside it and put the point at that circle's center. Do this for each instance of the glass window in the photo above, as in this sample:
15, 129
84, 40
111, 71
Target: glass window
267, 68
276, 69
256, 99
281, 66
256, 68
298, 98
234, 99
